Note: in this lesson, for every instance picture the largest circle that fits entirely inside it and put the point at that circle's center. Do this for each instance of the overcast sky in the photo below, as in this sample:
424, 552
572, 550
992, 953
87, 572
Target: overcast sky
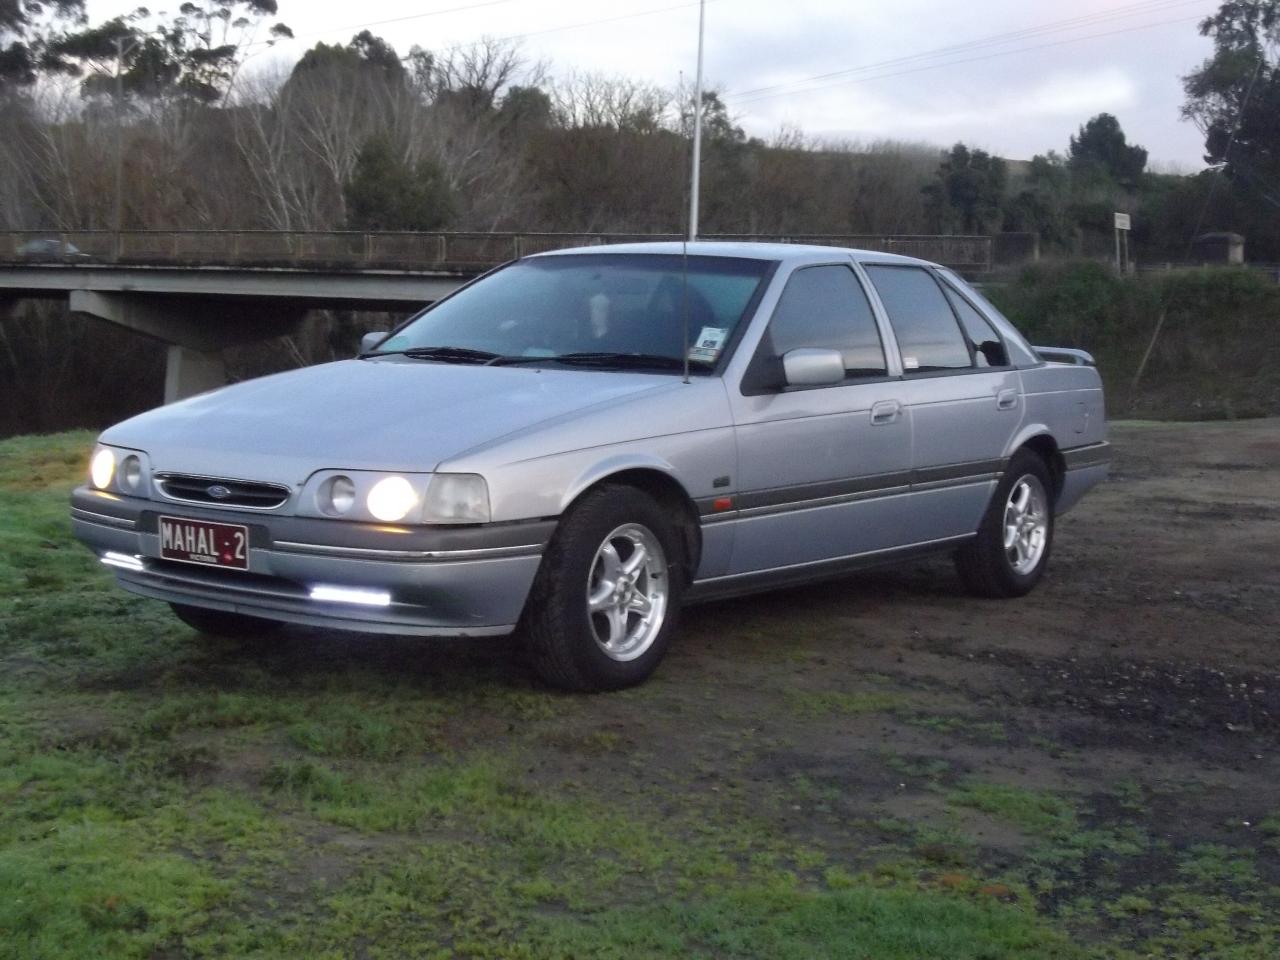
1012, 76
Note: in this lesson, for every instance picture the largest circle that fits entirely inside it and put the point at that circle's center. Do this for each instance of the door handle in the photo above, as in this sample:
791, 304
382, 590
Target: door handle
1006, 399
885, 412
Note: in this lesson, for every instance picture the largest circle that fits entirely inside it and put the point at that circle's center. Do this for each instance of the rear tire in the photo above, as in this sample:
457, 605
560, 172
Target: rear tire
603, 608
220, 623
1009, 555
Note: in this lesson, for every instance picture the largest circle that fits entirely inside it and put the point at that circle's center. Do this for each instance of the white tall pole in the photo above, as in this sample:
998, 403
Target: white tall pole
697, 129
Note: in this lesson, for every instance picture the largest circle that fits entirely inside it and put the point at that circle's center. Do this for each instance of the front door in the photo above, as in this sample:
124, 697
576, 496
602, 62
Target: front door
818, 465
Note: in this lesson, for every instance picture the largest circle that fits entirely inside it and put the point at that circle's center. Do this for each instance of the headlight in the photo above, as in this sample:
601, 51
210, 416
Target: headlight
120, 470
102, 467
391, 499
337, 495
457, 498
130, 475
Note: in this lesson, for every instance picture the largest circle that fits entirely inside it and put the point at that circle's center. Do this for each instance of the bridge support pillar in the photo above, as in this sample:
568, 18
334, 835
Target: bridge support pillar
188, 372
197, 330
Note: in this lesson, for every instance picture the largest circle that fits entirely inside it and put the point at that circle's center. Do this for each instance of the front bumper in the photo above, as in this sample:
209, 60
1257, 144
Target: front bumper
447, 581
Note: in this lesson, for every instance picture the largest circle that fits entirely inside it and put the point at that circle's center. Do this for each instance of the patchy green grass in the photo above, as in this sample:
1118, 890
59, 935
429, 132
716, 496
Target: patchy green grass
962, 726
167, 795
834, 703
1038, 812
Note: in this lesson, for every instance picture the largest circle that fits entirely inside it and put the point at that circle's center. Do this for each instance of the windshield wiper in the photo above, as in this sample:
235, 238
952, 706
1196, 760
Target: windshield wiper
443, 354
625, 360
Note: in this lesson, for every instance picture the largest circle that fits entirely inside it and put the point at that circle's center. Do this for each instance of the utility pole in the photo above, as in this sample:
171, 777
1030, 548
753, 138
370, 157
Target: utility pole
697, 128
121, 50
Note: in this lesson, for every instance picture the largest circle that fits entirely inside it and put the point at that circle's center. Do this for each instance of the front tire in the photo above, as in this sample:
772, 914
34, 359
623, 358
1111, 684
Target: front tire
604, 605
220, 623
1009, 555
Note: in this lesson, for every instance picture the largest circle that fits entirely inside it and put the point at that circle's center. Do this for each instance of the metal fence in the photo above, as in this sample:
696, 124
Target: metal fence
1269, 270
405, 251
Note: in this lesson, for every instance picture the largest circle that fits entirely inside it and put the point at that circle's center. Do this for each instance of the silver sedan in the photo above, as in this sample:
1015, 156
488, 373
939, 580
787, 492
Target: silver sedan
580, 443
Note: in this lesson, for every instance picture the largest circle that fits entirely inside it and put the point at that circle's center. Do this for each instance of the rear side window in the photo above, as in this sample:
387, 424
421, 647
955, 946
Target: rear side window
927, 332
988, 348
826, 307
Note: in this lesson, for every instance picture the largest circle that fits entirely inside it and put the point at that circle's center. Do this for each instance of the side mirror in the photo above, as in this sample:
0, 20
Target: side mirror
371, 340
812, 367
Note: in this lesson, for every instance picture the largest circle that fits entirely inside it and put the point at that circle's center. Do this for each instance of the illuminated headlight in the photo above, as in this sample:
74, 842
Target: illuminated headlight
391, 499
337, 495
102, 468
457, 498
116, 470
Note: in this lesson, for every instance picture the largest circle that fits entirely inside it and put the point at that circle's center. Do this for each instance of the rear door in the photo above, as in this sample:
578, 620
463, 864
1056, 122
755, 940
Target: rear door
963, 397
816, 462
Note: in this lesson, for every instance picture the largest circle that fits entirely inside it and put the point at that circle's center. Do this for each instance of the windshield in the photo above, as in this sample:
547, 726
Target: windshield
594, 306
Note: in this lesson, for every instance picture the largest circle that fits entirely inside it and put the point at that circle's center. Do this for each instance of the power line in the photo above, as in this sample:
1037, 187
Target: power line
952, 63
595, 23
382, 23
1056, 26
577, 25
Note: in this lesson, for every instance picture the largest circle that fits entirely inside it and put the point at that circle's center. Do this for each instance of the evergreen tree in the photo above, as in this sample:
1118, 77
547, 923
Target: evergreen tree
1101, 149
968, 191
386, 192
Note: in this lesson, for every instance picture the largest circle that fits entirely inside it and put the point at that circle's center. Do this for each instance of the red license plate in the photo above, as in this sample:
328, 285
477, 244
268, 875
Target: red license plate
208, 544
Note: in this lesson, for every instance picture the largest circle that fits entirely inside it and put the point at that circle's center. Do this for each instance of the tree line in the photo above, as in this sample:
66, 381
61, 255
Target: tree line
355, 136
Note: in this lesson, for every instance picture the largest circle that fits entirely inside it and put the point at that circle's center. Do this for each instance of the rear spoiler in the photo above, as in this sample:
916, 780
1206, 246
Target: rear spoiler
1080, 358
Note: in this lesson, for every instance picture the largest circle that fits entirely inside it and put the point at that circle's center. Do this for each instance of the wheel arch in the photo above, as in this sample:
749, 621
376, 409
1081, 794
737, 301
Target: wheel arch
656, 479
1046, 448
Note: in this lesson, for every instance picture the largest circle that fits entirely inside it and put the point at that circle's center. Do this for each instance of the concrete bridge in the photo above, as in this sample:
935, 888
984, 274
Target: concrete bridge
203, 291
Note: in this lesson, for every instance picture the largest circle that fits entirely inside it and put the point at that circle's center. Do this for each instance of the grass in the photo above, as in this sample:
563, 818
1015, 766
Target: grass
165, 795
832, 703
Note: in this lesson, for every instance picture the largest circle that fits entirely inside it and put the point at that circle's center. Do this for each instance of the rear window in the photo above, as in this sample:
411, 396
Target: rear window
928, 334
988, 348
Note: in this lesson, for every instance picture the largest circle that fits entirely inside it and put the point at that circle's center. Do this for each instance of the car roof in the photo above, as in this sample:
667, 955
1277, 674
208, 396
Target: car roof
738, 248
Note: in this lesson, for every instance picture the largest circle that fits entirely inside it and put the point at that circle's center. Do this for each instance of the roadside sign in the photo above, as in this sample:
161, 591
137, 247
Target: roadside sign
1122, 221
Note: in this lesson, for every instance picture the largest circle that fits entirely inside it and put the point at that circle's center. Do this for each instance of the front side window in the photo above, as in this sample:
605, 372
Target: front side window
826, 307
928, 334
588, 306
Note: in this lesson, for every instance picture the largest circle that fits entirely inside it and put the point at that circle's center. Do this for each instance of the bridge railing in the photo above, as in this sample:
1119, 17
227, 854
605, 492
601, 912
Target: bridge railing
406, 251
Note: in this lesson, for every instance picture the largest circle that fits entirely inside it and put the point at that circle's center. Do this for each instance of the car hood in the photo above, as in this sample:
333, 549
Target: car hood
402, 416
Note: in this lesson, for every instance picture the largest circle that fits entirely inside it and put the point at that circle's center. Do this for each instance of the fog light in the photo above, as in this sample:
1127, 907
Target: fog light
391, 499
102, 468
337, 495
131, 474
364, 598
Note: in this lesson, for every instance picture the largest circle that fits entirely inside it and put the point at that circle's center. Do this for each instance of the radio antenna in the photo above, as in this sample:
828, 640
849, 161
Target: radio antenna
696, 173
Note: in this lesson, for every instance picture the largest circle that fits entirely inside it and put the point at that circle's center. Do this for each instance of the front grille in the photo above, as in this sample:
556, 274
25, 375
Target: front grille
246, 494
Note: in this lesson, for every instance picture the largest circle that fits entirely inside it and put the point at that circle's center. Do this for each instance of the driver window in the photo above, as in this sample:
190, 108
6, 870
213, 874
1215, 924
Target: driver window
826, 307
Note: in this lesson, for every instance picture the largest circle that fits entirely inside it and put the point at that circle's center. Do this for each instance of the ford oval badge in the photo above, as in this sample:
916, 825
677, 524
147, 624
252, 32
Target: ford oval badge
218, 491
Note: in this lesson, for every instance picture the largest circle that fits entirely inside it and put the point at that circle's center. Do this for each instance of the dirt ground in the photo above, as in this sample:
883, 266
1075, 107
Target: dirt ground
1149, 657
1151, 652
1141, 681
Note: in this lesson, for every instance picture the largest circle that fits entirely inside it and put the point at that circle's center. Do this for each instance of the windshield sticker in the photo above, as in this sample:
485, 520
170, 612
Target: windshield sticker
910, 363
709, 344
